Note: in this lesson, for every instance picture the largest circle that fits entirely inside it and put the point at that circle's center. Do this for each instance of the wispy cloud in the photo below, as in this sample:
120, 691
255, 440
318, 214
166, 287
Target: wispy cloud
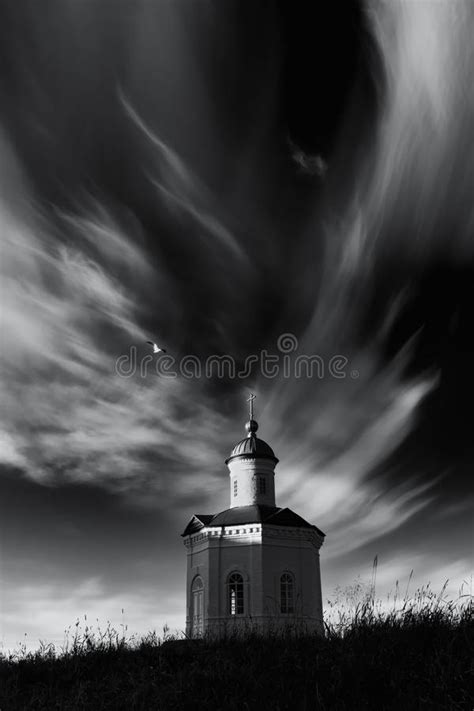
70, 308
183, 191
333, 436
79, 286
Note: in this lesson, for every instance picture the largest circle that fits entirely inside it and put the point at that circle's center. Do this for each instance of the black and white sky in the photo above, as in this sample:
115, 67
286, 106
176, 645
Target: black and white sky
213, 174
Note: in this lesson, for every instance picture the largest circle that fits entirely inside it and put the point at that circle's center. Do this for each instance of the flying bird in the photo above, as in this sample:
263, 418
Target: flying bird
156, 349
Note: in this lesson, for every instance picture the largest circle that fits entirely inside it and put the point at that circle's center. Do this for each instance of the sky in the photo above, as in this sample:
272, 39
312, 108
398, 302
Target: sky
230, 179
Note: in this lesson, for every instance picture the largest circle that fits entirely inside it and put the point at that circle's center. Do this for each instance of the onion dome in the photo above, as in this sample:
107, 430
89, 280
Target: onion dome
252, 446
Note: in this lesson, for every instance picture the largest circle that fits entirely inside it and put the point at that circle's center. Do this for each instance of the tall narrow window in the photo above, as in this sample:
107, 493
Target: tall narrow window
236, 594
197, 601
262, 485
235, 487
287, 594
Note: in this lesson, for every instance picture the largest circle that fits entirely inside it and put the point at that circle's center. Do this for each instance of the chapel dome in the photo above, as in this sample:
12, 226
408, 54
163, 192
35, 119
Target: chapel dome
252, 446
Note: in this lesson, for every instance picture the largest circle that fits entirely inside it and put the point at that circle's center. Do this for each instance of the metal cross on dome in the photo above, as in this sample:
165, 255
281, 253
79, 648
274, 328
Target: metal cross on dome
250, 400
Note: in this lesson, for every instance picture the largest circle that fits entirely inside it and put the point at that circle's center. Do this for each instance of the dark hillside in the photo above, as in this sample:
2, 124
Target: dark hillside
421, 660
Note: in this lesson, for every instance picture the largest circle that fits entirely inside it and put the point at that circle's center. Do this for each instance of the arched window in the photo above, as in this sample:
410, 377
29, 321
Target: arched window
262, 485
235, 487
235, 594
197, 601
287, 604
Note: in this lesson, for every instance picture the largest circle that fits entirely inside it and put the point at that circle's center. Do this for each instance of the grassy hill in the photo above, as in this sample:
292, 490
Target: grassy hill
406, 659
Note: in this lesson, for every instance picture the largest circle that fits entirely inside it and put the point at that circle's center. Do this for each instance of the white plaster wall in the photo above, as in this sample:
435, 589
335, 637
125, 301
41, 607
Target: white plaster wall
261, 554
300, 557
197, 564
246, 472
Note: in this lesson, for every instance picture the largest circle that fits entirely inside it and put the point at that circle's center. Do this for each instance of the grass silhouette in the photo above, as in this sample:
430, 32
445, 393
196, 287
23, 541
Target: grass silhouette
418, 654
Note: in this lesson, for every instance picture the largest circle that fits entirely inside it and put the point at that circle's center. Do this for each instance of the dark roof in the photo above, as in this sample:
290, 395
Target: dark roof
243, 514
273, 515
197, 522
253, 446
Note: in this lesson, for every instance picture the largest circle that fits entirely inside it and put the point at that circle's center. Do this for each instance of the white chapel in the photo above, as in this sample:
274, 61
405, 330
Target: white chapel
254, 564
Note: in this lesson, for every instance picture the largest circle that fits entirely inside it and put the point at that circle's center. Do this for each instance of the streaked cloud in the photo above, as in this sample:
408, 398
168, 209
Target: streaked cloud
186, 226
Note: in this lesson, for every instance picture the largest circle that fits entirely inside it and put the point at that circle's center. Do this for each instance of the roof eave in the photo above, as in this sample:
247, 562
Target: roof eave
252, 455
196, 518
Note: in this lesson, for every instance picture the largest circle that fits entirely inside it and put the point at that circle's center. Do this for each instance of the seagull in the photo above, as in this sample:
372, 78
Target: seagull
156, 349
